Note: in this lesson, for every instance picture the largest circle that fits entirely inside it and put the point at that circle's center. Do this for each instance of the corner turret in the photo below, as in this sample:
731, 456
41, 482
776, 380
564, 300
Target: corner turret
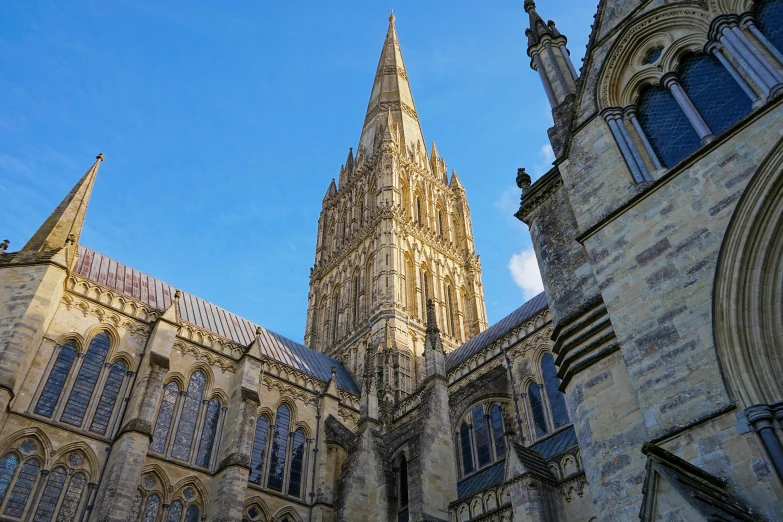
434, 358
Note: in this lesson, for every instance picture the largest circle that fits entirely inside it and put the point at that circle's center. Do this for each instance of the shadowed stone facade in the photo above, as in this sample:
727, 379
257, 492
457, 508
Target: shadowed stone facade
643, 385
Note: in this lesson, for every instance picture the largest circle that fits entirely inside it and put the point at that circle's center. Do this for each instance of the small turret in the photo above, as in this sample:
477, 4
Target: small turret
434, 357
331, 191
550, 57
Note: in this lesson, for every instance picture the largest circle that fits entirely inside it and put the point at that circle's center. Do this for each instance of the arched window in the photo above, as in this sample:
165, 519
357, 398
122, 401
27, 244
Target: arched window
259, 450
279, 449
7, 471
557, 404
297, 462
83, 388
183, 440
165, 413
108, 400
769, 15
405, 372
481, 432
56, 380
133, 516
718, 98
402, 486
151, 509
361, 211
73, 496
440, 223
537, 409
419, 218
192, 514
450, 311
23, 487
55, 482
466, 445
175, 512
355, 300
498, 431
667, 128
335, 314
208, 433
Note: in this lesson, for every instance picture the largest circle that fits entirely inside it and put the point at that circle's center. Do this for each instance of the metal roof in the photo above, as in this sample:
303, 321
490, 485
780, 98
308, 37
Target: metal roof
496, 331
557, 443
486, 478
154, 292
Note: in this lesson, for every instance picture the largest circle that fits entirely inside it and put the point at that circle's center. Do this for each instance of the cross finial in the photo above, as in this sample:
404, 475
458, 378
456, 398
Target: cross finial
4, 245
391, 15
99, 157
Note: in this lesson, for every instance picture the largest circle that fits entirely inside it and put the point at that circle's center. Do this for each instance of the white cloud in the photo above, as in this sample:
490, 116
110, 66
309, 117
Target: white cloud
547, 156
524, 270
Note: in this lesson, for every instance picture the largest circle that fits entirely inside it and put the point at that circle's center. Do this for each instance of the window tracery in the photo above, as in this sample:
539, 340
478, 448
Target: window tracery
537, 409
481, 439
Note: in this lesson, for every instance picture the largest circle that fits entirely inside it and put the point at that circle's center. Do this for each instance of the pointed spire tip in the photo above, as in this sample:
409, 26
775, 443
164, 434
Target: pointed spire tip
391, 16
99, 157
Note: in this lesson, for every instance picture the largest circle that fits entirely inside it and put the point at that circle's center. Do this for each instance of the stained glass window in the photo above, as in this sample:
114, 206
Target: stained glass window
537, 407
670, 133
557, 404
279, 449
259, 450
718, 98
51, 495
151, 509
22, 489
83, 388
136, 507
102, 417
56, 380
769, 15
403, 470
165, 412
191, 515
498, 432
73, 495
208, 434
189, 417
7, 469
297, 461
175, 512
481, 432
467, 448
653, 55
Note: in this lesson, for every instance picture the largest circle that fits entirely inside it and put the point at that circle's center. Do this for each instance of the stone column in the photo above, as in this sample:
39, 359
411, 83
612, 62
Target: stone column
630, 113
672, 83
613, 115
762, 420
722, 32
539, 67
747, 22
715, 50
754, 51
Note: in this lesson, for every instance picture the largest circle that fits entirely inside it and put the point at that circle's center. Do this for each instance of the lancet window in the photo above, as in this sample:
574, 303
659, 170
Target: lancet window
402, 489
187, 427
537, 409
556, 399
83, 390
481, 439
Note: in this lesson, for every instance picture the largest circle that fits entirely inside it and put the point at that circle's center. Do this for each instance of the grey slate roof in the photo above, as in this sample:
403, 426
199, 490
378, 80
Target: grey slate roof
557, 443
486, 478
496, 331
154, 292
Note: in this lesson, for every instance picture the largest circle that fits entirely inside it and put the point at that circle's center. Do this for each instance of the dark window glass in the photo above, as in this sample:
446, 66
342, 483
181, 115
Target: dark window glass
335, 313
769, 15
175, 512
7, 469
165, 412
191, 515
73, 495
151, 509
403, 517
50, 496
189, 416
670, 133
537, 407
297, 461
653, 55
279, 449
100, 421
259, 450
355, 300
403, 482
22, 489
54, 384
83, 388
135, 507
498, 432
718, 98
208, 434
467, 448
481, 432
557, 404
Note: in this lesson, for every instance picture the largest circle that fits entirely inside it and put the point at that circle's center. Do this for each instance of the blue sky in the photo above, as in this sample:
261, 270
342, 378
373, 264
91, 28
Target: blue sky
223, 123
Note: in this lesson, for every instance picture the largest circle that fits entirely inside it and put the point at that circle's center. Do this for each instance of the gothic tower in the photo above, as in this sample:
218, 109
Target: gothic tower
394, 231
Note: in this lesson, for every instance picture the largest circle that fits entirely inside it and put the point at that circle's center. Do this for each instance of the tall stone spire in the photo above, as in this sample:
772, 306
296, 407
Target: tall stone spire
59, 235
391, 92
434, 358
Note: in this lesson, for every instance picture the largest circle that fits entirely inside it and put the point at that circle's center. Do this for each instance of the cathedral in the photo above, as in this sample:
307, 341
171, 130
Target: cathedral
645, 383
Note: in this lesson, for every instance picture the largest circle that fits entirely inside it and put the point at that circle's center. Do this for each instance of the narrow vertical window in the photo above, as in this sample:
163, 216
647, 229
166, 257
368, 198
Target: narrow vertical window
440, 223
403, 483
355, 300
151, 509
136, 506
83, 388
537, 409
22, 489
498, 433
481, 432
73, 496
56, 380
208, 434
279, 449
51, 495
259, 450
557, 404
175, 512
450, 307
7, 469
418, 210
361, 214
297, 461
165, 413
183, 440
467, 448
335, 314
192, 514
111, 390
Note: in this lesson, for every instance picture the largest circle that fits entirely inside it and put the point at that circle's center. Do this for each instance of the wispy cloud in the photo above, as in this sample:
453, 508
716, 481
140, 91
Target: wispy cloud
524, 270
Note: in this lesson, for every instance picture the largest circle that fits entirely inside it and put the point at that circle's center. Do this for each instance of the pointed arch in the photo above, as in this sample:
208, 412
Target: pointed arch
289, 512
63, 456
194, 482
264, 513
37, 434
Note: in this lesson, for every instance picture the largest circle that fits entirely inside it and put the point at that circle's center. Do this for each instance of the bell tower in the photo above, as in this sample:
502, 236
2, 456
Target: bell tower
395, 230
